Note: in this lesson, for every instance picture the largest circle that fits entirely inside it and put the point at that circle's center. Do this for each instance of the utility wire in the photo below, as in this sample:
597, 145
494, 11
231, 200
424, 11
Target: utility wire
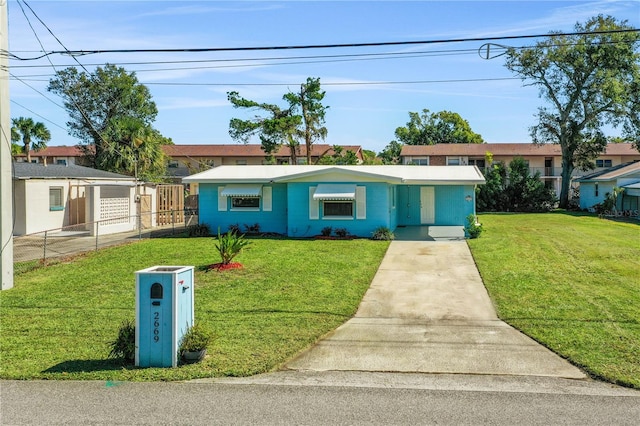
75, 53
35, 113
355, 83
73, 100
282, 58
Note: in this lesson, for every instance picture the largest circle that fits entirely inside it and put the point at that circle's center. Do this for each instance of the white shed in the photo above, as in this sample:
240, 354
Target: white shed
56, 196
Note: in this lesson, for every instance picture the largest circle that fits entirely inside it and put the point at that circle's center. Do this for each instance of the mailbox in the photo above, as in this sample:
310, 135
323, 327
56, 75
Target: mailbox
164, 312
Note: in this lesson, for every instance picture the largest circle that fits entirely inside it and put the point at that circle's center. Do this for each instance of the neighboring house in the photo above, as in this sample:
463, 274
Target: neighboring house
595, 187
185, 160
62, 155
55, 196
299, 201
546, 159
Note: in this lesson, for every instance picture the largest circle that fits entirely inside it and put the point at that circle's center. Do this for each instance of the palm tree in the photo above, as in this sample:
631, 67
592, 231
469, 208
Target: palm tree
30, 131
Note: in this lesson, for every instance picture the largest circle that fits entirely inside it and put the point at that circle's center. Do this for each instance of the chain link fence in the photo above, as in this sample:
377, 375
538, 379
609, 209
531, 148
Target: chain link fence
42, 247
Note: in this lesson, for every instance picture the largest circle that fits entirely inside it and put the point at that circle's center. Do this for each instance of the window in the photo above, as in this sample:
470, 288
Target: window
453, 161
337, 208
477, 162
173, 164
62, 162
55, 198
603, 163
245, 202
241, 162
420, 161
596, 189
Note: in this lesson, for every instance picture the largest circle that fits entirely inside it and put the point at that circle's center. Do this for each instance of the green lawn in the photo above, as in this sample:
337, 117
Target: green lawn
57, 321
572, 282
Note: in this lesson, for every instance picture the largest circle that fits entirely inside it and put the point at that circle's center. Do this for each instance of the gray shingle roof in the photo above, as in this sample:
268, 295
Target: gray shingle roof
59, 171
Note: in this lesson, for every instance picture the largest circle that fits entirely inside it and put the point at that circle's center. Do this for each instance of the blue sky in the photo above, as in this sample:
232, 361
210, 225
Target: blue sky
362, 111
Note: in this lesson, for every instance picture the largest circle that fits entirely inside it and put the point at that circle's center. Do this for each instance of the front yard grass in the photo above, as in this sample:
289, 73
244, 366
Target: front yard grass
58, 320
572, 282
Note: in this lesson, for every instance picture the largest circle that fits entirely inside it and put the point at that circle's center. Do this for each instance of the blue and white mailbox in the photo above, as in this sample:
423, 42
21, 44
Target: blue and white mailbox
164, 312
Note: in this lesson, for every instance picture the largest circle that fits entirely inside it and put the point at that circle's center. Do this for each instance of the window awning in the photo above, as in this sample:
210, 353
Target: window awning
334, 191
242, 190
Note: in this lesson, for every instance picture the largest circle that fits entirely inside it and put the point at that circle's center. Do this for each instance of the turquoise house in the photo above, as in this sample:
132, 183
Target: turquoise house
300, 201
595, 187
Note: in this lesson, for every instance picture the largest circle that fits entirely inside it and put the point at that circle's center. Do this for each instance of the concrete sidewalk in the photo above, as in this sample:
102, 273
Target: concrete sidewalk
427, 311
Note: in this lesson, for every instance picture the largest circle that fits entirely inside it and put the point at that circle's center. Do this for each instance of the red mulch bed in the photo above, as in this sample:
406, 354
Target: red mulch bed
221, 267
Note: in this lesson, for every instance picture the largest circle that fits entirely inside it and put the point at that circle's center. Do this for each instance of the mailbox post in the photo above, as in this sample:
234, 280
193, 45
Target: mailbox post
164, 312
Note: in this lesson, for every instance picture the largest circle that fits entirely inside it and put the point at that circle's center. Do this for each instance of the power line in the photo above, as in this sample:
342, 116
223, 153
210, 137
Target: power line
35, 113
355, 83
448, 52
75, 53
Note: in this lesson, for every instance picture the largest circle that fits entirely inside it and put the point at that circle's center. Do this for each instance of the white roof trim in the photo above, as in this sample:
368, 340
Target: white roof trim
242, 190
416, 175
328, 191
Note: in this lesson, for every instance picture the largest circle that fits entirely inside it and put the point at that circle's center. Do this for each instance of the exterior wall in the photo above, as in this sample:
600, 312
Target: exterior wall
438, 160
20, 208
386, 205
273, 221
110, 209
38, 217
377, 211
588, 197
451, 206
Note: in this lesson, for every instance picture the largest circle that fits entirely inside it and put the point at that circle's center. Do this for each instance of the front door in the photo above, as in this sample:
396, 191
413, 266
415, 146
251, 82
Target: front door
427, 205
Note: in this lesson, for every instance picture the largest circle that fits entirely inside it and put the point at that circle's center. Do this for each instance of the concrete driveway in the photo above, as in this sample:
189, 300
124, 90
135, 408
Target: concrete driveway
427, 311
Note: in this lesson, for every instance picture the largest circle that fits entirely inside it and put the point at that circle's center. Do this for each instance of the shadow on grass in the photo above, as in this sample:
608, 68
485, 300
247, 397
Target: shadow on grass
624, 219
89, 365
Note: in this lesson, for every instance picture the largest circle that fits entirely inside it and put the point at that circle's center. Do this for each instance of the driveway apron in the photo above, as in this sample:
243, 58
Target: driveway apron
427, 311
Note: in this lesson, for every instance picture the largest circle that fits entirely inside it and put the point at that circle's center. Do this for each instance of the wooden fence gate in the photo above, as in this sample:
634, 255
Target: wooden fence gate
170, 204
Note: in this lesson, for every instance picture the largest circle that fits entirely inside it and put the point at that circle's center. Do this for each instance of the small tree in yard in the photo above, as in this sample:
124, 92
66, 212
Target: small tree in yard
229, 245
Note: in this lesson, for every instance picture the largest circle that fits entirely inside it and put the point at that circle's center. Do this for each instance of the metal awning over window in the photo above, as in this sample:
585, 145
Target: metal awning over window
242, 190
334, 191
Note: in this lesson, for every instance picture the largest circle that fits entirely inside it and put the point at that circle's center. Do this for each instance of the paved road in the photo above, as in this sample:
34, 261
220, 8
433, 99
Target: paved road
337, 398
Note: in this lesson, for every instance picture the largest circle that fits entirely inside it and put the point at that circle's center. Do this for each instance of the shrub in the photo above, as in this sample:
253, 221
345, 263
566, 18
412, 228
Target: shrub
252, 229
341, 232
382, 234
230, 245
200, 230
195, 339
513, 188
235, 228
326, 231
125, 344
473, 228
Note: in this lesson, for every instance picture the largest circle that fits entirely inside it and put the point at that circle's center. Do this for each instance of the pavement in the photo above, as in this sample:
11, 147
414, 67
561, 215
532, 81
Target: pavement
427, 311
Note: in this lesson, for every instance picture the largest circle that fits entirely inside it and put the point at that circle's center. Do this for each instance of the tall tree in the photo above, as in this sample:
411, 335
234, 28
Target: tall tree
33, 135
279, 126
430, 128
590, 80
308, 102
391, 153
301, 120
339, 157
109, 110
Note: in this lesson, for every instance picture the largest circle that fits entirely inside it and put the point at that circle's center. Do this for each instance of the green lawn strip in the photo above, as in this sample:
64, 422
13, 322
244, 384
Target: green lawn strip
569, 281
58, 320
